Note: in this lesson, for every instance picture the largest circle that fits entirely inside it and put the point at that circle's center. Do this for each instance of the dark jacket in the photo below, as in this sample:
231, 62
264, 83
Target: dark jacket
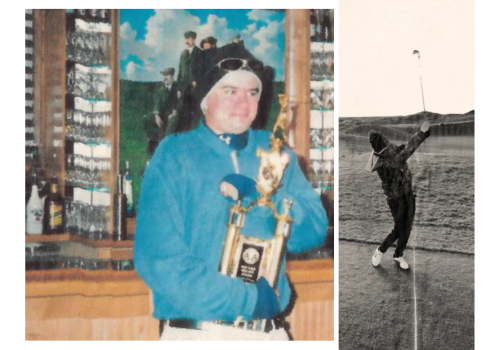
165, 103
391, 165
186, 67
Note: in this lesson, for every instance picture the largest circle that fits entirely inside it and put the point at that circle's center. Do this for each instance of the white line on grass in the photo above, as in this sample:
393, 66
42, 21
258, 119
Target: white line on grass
415, 291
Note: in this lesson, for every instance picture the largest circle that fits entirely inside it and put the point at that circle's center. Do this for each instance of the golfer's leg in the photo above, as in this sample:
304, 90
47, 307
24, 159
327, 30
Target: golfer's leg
397, 212
409, 215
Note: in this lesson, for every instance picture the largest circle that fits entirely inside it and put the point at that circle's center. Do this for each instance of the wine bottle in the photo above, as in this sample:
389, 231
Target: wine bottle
54, 209
34, 211
128, 190
120, 211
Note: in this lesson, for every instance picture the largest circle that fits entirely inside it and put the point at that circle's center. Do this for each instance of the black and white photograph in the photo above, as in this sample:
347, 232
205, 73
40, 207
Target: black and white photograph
406, 175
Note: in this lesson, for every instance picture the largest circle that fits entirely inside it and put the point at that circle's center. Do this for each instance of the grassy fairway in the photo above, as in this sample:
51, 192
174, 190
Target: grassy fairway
377, 310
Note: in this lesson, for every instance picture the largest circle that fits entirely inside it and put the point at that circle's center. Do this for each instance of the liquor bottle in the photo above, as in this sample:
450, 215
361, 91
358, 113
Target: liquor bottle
38, 175
128, 190
54, 209
120, 211
34, 211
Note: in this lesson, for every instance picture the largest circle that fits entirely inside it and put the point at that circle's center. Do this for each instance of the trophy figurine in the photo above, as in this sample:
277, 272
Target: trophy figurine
250, 258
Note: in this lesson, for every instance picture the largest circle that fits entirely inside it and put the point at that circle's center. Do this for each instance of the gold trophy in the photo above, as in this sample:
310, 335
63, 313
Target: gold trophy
251, 258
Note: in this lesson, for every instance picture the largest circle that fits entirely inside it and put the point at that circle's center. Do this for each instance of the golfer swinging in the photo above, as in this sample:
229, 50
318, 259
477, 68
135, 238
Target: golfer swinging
389, 161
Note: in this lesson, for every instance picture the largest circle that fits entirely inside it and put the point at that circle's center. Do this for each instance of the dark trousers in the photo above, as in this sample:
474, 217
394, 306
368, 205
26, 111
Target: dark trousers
190, 114
403, 212
152, 147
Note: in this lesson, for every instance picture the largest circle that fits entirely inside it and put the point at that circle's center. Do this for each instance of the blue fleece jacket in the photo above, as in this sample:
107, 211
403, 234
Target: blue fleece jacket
181, 225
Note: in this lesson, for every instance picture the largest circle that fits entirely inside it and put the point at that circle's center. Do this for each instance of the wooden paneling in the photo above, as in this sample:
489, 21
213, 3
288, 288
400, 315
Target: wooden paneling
81, 282
109, 305
310, 270
313, 314
131, 328
50, 82
297, 78
79, 306
114, 134
312, 320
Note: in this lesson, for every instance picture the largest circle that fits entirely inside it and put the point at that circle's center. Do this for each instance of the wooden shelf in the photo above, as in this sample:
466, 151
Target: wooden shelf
80, 275
98, 243
307, 271
67, 237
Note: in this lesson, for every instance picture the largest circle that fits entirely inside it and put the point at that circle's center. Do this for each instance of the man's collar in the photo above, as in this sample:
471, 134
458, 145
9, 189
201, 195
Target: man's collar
234, 141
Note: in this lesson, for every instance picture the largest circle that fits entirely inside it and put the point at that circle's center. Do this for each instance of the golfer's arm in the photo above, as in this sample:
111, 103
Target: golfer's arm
411, 147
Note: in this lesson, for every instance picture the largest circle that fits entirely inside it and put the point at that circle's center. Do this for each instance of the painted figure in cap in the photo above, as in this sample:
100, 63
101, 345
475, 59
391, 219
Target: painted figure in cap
188, 57
167, 105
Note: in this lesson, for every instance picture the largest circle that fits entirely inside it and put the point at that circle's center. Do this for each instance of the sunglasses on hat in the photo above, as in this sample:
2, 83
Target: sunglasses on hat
233, 64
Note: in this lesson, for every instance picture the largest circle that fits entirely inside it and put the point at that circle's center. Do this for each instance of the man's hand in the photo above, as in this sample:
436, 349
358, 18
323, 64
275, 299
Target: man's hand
238, 186
171, 115
267, 301
425, 127
158, 120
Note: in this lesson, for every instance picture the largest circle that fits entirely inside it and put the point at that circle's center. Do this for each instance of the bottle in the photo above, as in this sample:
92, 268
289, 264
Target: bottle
120, 211
37, 175
53, 209
128, 190
34, 211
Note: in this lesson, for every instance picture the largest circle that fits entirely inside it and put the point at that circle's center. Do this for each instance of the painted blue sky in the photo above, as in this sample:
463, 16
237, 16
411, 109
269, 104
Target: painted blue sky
153, 39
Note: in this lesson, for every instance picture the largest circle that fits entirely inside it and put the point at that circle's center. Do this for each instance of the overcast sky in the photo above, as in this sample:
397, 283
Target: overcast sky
152, 40
378, 74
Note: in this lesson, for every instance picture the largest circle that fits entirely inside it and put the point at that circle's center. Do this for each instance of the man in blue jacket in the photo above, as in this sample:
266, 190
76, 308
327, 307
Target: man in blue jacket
181, 225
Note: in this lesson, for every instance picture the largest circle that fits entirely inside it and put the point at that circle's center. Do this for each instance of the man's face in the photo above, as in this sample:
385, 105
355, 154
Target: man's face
167, 79
207, 46
190, 42
232, 106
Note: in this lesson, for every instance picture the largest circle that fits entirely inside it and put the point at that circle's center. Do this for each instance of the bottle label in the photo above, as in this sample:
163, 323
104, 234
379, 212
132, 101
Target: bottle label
34, 222
36, 215
56, 215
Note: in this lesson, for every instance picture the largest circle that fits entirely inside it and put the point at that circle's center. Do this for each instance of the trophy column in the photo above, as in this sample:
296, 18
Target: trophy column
235, 223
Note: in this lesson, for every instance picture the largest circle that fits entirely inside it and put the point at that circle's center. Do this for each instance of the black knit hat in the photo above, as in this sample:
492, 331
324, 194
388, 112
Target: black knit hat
377, 140
214, 74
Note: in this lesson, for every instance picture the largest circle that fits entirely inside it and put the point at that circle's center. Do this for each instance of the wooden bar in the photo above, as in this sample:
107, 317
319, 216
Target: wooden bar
67, 237
120, 303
